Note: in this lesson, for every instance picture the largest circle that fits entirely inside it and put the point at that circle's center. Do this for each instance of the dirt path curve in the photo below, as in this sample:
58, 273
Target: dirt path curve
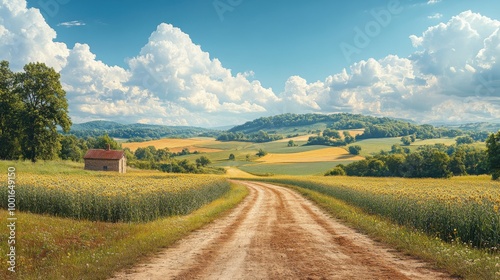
277, 234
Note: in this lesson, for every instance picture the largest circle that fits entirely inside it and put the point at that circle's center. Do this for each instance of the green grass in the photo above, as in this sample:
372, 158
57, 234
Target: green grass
446, 141
370, 147
373, 146
45, 167
58, 248
230, 145
282, 147
310, 168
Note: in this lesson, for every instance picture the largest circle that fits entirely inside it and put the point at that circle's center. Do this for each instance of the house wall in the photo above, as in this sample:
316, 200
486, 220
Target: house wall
112, 165
123, 165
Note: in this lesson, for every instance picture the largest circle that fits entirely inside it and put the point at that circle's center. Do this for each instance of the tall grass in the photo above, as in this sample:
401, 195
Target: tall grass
60, 248
112, 197
456, 258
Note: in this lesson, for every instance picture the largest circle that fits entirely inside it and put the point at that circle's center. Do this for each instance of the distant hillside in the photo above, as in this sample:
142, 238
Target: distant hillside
374, 127
280, 121
481, 126
137, 131
296, 123
336, 121
99, 125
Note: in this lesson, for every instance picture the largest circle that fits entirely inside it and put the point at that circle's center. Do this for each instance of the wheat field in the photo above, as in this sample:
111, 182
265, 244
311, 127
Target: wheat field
320, 155
175, 145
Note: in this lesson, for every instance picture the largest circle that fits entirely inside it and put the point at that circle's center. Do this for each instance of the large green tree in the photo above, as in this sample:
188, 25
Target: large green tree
10, 110
45, 108
493, 150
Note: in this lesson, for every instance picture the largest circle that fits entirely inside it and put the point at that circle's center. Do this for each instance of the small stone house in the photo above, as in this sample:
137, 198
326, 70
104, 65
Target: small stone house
105, 160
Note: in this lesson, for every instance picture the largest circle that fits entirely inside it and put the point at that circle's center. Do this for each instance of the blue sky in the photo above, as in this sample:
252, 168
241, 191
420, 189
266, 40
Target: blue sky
283, 56
274, 39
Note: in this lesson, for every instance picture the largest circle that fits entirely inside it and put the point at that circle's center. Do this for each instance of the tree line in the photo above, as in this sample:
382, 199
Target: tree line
429, 161
163, 160
138, 132
259, 137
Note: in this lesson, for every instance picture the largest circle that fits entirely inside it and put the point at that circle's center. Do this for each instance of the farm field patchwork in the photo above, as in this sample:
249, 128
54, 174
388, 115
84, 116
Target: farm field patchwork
176, 145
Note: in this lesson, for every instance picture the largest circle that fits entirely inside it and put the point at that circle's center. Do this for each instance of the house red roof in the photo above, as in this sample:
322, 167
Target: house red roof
103, 154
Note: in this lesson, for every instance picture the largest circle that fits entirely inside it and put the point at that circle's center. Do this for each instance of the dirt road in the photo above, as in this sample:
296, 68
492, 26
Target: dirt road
277, 234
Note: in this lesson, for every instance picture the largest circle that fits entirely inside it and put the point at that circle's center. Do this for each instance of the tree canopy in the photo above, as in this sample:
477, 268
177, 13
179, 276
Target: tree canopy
493, 150
33, 106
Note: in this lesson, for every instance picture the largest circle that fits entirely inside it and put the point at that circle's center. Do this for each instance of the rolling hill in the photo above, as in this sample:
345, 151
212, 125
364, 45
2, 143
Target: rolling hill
137, 130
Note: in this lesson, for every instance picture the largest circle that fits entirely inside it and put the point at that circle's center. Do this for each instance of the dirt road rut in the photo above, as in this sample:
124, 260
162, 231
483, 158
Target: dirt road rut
277, 234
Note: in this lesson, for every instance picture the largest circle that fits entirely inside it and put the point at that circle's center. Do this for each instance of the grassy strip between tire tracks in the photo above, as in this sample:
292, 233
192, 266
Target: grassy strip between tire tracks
456, 258
58, 248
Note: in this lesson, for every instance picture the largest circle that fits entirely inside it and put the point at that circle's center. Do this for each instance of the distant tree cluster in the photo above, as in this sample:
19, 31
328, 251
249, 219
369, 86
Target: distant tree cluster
291, 143
407, 140
354, 150
429, 161
73, 148
179, 166
394, 128
259, 137
163, 160
331, 137
464, 140
261, 153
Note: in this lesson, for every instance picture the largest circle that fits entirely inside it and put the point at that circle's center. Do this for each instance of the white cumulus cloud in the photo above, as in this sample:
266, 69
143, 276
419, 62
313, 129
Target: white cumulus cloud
453, 75
26, 37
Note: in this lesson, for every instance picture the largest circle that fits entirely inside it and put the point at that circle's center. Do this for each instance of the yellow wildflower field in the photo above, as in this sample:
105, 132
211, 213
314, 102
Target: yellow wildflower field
113, 197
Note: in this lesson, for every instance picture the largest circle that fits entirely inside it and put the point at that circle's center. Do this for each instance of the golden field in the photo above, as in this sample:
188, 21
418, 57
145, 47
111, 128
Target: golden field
113, 197
320, 155
175, 145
